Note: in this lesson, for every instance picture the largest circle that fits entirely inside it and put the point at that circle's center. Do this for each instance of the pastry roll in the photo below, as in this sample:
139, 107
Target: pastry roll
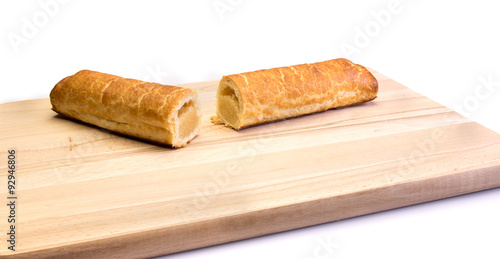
262, 96
160, 113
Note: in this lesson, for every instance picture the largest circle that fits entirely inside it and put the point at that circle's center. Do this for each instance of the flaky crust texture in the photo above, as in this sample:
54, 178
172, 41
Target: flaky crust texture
284, 92
133, 107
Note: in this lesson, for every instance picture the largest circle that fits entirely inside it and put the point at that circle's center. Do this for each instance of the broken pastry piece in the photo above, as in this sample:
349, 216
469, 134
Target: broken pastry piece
267, 95
160, 113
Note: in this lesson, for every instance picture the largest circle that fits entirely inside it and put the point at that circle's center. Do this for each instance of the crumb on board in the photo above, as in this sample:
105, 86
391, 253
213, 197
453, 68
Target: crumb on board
215, 120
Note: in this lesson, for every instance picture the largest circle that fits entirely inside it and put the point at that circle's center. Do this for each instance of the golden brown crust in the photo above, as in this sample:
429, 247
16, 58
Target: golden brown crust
284, 92
133, 107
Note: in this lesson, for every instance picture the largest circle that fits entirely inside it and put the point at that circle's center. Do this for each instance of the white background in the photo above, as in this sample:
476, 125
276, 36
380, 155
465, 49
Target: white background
442, 50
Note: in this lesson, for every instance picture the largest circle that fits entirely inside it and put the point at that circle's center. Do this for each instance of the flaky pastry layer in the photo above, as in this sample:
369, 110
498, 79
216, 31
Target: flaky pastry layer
160, 113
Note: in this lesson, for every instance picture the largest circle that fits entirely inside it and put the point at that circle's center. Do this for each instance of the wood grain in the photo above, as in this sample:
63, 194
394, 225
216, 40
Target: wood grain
86, 192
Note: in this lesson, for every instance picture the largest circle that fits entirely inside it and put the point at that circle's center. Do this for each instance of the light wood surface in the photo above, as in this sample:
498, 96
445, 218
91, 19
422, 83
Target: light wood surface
85, 192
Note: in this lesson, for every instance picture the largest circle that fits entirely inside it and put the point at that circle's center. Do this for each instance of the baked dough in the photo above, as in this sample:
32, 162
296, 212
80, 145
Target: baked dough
262, 96
160, 113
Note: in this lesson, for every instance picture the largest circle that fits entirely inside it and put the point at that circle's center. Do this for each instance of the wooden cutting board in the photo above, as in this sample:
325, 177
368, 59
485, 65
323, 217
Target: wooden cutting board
83, 191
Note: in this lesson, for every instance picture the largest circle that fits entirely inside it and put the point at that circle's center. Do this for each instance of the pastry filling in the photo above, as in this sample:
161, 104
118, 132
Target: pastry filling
188, 120
228, 104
